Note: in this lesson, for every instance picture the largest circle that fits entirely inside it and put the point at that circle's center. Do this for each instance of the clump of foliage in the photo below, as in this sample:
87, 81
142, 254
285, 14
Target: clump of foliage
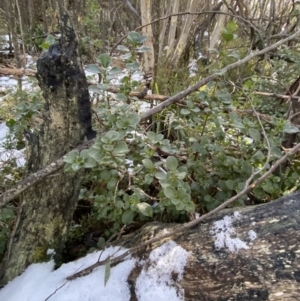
201, 155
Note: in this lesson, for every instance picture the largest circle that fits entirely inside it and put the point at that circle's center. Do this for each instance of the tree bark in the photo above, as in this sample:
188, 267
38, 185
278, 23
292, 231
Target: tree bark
268, 270
46, 209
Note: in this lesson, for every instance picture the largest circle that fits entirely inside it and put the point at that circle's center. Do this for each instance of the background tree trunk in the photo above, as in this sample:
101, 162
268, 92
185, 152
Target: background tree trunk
46, 209
268, 270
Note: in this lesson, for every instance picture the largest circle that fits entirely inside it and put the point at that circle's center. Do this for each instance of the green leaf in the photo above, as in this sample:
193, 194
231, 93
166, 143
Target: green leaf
90, 163
227, 36
134, 119
107, 271
230, 184
70, 157
185, 112
160, 175
6, 214
133, 66
95, 89
127, 217
111, 184
143, 49
123, 48
119, 204
172, 163
170, 192
104, 87
120, 97
112, 136
115, 70
148, 163
254, 134
104, 59
258, 156
75, 166
121, 148
101, 243
92, 68
175, 202
290, 129
145, 209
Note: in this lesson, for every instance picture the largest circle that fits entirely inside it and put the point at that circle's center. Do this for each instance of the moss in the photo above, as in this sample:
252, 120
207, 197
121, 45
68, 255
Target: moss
40, 255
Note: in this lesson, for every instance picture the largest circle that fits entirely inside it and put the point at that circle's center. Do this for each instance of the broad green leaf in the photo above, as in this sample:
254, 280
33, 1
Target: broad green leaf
160, 175
290, 129
84, 153
133, 66
123, 48
254, 134
230, 184
258, 156
100, 243
176, 202
104, 87
92, 68
143, 49
127, 217
90, 163
75, 166
121, 148
119, 204
170, 192
104, 59
148, 163
107, 272
172, 163
6, 214
70, 157
95, 89
134, 36
134, 119
227, 36
111, 184
126, 56
120, 97
145, 209
112, 136
185, 112
115, 70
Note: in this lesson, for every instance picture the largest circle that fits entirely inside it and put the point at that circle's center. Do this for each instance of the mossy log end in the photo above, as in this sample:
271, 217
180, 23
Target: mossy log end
46, 209
269, 270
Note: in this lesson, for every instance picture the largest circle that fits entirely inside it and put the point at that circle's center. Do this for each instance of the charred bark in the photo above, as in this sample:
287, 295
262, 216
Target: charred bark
46, 209
269, 270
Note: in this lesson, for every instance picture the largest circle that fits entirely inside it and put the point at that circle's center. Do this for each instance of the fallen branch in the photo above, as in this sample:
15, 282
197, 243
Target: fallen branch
16, 190
17, 72
248, 187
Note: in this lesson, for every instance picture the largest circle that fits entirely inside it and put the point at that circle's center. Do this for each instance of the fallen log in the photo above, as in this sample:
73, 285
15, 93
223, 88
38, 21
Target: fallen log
250, 253
17, 72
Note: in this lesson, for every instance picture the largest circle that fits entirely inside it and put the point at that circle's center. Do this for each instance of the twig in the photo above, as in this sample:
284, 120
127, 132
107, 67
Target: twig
248, 187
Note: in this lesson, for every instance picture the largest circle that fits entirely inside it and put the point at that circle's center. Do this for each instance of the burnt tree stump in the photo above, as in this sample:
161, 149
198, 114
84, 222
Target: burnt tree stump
46, 209
267, 269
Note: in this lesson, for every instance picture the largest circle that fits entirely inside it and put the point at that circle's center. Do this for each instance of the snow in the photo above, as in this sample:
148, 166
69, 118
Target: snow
7, 155
225, 234
41, 282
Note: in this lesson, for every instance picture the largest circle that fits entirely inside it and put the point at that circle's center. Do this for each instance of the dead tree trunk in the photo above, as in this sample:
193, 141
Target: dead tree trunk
46, 209
253, 253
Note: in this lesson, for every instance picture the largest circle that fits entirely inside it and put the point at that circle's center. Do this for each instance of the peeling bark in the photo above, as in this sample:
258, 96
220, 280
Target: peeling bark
46, 209
269, 270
